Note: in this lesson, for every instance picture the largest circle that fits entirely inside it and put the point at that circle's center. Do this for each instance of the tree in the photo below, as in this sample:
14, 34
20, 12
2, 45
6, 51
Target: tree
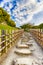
35, 27
41, 26
5, 17
11, 23
26, 27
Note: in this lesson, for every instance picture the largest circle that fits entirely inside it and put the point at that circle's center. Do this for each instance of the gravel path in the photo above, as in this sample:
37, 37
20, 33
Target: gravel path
36, 57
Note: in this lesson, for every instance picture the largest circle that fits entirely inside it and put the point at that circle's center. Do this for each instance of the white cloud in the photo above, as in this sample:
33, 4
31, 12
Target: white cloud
26, 20
31, 6
10, 5
1, 5
37, 7
7, 0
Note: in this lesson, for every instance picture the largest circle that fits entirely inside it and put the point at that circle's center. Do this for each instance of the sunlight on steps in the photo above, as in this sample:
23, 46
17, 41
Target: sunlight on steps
36, 58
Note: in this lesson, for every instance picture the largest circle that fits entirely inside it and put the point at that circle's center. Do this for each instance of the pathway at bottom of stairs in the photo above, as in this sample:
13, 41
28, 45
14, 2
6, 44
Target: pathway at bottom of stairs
37, 52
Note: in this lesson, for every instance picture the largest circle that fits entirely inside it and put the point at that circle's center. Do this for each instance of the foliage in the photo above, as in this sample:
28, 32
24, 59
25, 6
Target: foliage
38, 26
11, 23
26, 27
41, 26
5, 17
35, 27
4, 27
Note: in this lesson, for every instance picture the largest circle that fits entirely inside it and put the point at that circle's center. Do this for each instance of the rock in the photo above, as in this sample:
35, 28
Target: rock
13, 63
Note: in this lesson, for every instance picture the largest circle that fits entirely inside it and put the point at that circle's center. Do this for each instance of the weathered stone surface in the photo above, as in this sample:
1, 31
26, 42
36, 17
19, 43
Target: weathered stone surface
35, 59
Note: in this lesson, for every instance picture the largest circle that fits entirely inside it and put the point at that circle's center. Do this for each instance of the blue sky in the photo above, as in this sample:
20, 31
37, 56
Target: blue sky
24, 11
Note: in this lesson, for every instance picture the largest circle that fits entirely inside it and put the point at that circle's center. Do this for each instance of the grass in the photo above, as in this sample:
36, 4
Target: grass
6, 27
